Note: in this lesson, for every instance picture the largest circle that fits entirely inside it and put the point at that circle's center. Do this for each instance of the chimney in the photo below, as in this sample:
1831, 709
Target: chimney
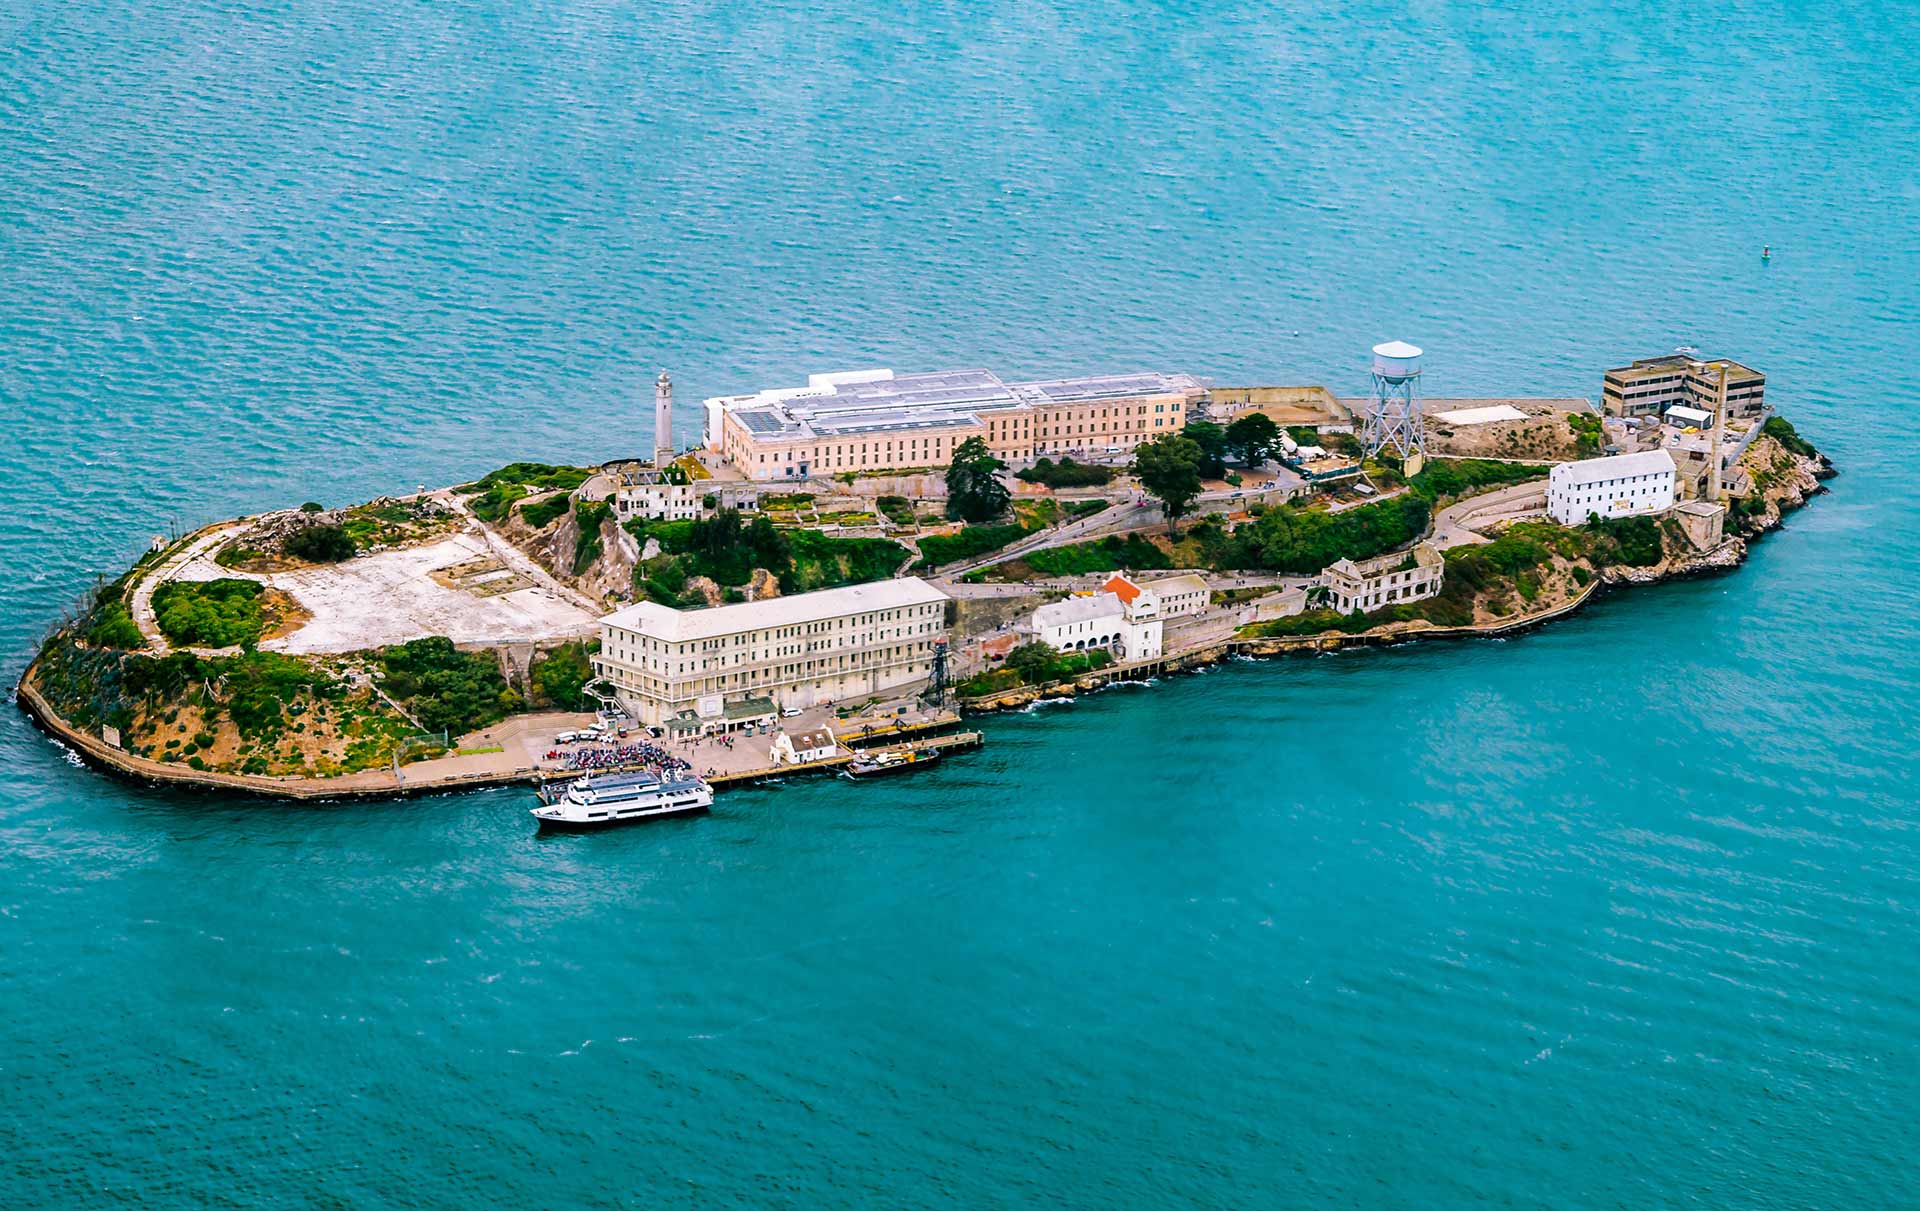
1715, 437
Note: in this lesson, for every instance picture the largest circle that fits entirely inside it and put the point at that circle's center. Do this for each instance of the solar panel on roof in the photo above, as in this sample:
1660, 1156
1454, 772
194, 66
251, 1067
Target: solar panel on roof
760, 422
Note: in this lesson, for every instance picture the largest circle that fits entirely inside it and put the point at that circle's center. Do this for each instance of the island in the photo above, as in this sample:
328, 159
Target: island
874, 556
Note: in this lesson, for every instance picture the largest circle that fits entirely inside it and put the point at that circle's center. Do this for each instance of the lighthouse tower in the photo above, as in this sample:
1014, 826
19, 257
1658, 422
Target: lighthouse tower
662, 421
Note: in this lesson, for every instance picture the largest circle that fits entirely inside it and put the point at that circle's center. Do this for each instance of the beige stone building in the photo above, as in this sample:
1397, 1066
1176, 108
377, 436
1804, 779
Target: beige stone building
1651, 386
721, 667
1180, 595
1388, 580
872, 420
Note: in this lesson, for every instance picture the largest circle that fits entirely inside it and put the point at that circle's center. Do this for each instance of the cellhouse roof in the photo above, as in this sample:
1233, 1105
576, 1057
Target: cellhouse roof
880, 401
679, 626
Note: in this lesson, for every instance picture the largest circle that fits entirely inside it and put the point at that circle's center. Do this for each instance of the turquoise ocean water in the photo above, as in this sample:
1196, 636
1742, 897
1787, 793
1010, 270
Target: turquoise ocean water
1621, 913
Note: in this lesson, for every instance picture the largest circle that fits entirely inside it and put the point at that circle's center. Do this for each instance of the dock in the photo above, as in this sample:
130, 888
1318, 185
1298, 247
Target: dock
952, 743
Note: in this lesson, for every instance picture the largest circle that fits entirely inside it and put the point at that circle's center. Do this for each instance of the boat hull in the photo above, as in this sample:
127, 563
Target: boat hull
561, 824
858, 770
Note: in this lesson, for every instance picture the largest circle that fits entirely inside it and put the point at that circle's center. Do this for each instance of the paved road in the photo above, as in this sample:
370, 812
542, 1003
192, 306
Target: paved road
1463, 521
1114, 519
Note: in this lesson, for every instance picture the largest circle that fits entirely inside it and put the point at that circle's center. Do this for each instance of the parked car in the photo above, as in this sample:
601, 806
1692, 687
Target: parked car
790, 713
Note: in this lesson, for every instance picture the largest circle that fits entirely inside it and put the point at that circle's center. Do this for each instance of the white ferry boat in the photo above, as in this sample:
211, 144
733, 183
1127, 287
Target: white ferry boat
602, 799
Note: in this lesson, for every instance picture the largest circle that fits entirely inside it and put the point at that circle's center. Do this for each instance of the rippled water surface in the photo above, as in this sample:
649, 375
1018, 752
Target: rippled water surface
1620, 913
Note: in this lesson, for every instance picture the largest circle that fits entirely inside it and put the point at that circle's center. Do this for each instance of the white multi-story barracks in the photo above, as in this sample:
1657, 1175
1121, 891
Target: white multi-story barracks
740, 662
870, 420
1620, 486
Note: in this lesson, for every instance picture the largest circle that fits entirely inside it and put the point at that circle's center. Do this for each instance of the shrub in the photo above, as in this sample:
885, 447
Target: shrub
445, 688
726, 550
966, 543
1289, 539
1066, 474
312, 506
542, 513
111, 626
497, 491
561, 675
1448, 478
588, 515
821, 562
990, 682
1782, 431
212, 613
1587, 432
320, 544
1101, 555
1634, 541
261, 686
899, 509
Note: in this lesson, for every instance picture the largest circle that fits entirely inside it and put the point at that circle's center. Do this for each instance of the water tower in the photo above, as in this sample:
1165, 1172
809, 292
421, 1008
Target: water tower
1393, 420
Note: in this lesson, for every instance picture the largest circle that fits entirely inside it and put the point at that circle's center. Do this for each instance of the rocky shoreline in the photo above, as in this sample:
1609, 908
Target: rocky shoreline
1785, 483
1802, 478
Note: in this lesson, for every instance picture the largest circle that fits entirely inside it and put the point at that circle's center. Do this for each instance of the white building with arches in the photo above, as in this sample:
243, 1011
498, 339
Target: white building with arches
1123, 619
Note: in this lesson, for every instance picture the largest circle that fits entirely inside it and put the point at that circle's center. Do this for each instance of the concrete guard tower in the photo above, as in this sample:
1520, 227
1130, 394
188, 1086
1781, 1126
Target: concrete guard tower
1393, 419
662, 421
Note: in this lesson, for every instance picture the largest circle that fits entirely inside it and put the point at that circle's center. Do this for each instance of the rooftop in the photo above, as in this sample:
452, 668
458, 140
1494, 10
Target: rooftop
1191, 582
1077, 609
1670, 362
679, 626
1617, 466
819, 737
1117, 584
880, 401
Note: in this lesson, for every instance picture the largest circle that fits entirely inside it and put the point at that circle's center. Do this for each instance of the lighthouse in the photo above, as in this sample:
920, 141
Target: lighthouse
662, 421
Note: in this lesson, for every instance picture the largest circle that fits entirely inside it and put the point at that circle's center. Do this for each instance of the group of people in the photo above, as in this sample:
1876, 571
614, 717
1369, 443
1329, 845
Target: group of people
640, 754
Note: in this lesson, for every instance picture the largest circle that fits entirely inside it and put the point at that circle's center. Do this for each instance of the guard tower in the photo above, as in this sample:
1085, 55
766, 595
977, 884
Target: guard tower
662, 420
936, 691
1393, 420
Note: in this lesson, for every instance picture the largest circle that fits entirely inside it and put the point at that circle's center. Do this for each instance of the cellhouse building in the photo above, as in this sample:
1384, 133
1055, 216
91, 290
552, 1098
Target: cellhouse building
871, 420
735, 665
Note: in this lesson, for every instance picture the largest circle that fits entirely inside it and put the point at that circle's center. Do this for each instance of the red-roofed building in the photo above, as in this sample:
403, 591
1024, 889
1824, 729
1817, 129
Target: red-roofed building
1121, 587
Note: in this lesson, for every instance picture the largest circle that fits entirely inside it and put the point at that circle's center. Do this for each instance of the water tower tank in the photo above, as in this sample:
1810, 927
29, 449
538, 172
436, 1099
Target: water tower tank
1396, 360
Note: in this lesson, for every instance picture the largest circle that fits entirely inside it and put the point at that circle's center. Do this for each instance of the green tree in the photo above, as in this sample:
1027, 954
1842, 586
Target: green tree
1169, 469
1036, 663
1212, 442
974, 490
320, 544
562, 675
1252, 438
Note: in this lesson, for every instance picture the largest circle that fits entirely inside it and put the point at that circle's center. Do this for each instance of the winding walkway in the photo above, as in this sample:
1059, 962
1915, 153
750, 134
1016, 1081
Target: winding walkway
1464, 521
140, 604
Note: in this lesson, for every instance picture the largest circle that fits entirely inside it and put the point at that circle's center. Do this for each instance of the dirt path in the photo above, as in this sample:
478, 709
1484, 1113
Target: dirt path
513, 557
